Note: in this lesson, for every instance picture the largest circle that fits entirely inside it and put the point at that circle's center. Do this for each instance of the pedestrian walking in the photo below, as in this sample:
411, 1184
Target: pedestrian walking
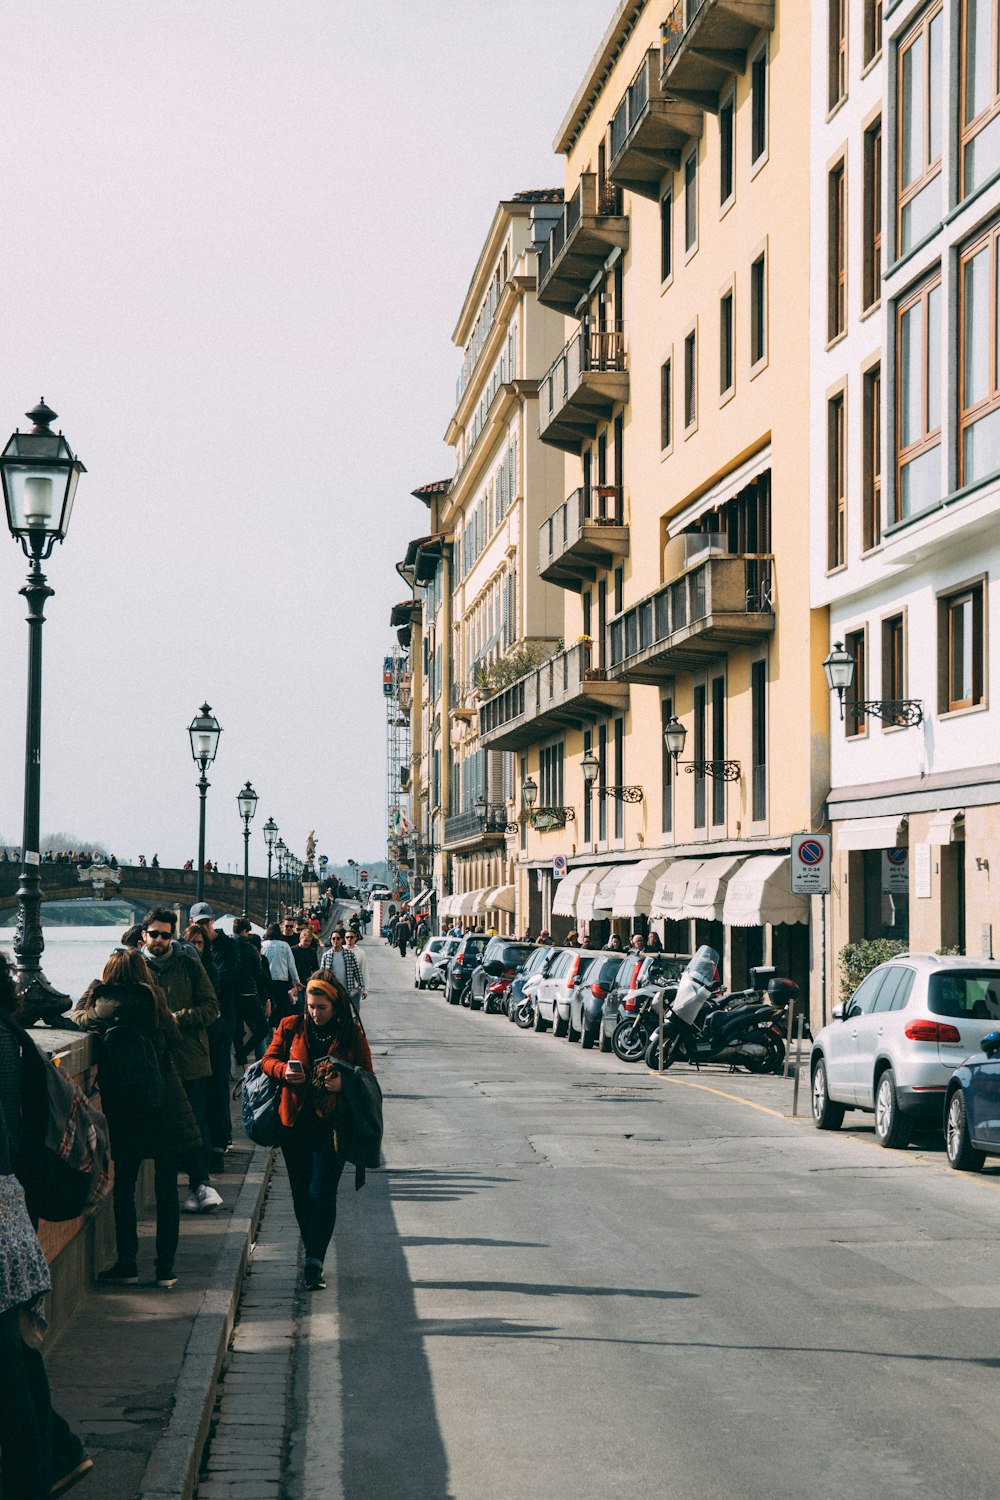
343, 964
404, 932
191, 997
284, 975
226, 968
306, 954
311, 1111
149, 1116
251, 1014
352, 950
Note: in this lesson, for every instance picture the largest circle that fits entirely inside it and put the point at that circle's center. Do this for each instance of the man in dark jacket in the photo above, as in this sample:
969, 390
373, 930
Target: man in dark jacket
226, 969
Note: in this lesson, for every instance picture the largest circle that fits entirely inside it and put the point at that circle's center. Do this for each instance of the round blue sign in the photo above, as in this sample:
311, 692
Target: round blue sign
810, 853
897, 856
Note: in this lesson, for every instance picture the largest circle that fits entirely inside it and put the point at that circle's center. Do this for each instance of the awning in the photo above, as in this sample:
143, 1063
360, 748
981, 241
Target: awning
500, 898
947, 827
636, 888
444, 906
671, 887
870, 833
465, 904
483, 902
426, 895
724, 489
761, 892
564, 904
596, 896
705, 897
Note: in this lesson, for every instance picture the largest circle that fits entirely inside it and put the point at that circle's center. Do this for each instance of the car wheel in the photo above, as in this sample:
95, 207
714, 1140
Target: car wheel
588, 1036
891, 1128
603, 1040
450, 996
559, 1026
826, 1114
464, 997
572, 1035
540, 1024
962, 1154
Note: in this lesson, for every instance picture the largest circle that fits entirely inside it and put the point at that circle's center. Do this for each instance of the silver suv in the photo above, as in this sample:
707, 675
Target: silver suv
894, 1045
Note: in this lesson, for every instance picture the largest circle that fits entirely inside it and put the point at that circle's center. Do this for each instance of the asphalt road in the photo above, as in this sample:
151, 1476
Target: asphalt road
576, 1280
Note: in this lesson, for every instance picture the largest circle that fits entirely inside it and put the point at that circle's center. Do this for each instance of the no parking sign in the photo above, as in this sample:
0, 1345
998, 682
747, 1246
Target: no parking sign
810, 862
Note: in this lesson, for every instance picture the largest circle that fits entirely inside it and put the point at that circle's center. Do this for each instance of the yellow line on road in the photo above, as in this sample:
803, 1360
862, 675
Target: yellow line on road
687, 1083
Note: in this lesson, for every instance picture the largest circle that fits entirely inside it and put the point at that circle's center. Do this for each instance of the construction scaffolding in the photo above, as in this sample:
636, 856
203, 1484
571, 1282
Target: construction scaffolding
396, 690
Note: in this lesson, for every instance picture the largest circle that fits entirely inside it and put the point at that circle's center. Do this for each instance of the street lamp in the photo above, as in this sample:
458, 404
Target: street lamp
204, 730
270, 834
675, 736
247, 803
529, 792
40, 473
281, 849
839, 668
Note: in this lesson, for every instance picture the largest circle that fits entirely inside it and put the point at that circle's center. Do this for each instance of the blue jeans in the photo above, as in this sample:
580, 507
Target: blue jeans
314, 1172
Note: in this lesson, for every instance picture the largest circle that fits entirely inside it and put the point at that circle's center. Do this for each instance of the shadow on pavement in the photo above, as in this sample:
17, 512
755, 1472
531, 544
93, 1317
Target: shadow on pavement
413, 1241
428, 1186
542, 1289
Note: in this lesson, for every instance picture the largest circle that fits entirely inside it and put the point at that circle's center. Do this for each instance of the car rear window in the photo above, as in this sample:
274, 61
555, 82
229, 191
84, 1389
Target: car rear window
965, 994
512, 954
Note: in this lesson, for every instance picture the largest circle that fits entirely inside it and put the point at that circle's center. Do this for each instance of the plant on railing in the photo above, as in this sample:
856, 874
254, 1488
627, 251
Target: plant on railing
490, 677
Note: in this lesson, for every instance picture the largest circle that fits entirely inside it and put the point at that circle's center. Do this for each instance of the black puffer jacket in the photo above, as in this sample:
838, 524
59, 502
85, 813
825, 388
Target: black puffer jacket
171, 1130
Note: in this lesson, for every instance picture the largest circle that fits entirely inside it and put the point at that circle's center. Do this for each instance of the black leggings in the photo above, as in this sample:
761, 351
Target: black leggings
25, 1416
314, 1172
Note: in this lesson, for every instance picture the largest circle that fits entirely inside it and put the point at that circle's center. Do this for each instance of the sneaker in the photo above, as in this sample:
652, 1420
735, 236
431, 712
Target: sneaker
72, 1476
165, 1276
208, 1198
191, 1204
312, 1276
120, 1274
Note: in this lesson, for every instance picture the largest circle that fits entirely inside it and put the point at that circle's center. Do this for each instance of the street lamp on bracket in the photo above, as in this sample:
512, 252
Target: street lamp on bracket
591, 767
543, 819
901, 713
675, 736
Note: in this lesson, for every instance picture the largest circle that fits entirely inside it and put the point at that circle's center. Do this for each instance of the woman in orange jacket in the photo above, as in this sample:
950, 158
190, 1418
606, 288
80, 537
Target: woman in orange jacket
301, 1058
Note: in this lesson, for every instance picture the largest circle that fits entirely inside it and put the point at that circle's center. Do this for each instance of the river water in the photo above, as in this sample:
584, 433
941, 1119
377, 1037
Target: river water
73, 955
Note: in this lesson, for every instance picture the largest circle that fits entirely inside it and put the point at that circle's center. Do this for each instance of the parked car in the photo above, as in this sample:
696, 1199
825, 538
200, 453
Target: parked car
636, 969
525, 983
502, 957
972, 1108
430, 963
893, 1047
586, 1000
552, 993
461, 964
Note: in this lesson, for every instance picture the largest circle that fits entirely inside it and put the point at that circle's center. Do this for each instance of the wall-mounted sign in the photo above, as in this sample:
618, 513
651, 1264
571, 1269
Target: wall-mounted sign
558, 866
895, 872
810, 863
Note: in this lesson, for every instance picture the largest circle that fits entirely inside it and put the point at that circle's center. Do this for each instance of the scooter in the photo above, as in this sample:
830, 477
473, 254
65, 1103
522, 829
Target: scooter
631, 1036
740, 1029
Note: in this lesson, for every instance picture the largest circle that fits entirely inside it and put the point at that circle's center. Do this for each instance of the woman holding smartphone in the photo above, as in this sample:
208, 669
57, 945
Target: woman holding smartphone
301, 1058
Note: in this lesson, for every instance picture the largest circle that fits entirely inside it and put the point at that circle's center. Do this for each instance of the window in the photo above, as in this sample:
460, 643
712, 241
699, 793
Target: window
918, 400
727, 147
871, 259
690, 381
758, 107
836, 466
980, 358
691, 201
523, 835
667, 235
718, 748
588, 801
960, 649
872, 30
666, 400
871, 459
726, 364
666, 766
619, 589
758, 739
920, 92
550, 775
893, 658
699, 755
836, 314
980, 86
619, 744
602, 781
758, 311
855, 722
838, 53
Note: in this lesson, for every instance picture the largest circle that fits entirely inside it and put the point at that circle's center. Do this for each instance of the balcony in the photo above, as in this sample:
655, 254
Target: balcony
649, 131
720, 603
465, 828
705, 44
586, 533
591, 226
582, 387
565, 692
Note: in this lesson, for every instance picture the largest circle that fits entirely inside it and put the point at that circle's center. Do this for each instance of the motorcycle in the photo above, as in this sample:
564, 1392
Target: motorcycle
742, 1029
631, 1036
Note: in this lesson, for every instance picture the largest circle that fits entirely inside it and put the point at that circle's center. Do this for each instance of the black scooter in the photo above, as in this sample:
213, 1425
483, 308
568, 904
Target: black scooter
741, 1029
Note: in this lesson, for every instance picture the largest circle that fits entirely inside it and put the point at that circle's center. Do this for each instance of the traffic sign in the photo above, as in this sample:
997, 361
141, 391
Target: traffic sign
895, 872
810, 862
558, 866
364, 877
323, 861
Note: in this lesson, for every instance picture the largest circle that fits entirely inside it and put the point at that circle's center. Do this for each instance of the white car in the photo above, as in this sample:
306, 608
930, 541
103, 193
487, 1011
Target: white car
429, 965
892, 1048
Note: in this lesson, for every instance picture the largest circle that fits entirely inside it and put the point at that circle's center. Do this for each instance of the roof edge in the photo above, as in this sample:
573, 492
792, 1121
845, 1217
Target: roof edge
622, 25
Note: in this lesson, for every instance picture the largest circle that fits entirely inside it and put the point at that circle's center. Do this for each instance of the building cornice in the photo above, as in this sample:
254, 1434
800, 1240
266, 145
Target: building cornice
613, 43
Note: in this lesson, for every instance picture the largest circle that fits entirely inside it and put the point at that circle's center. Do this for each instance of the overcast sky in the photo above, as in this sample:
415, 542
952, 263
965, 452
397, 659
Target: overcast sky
233, 246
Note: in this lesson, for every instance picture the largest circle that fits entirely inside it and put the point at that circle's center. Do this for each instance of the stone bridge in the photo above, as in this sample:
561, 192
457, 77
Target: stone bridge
143, 887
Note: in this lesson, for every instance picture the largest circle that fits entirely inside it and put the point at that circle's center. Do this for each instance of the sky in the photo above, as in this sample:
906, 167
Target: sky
235, 239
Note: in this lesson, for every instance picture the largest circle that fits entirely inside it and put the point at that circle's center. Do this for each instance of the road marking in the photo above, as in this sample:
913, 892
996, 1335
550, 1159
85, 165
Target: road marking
687, 1083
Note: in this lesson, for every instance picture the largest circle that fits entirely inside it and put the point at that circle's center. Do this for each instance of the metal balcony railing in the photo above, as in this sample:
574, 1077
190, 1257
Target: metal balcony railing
731, 588
591, 350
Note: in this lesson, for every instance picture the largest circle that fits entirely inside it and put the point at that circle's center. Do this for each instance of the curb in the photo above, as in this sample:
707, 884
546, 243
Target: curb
174, 1464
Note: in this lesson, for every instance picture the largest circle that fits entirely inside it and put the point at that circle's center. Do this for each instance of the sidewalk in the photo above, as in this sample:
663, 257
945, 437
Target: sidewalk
134, 1370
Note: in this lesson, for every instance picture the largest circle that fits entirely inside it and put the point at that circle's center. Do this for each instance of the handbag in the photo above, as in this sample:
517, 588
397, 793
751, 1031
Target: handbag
260, 1106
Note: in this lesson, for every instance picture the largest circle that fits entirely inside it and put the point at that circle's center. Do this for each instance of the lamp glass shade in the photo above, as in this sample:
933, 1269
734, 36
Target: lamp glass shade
204, 730
674, 736
529, 792
270, 832
591, 768
247, 801
480, 805
839, 669
40, 475
281, 848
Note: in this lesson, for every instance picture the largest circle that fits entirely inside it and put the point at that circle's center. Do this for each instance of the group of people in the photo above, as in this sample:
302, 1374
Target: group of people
405, 927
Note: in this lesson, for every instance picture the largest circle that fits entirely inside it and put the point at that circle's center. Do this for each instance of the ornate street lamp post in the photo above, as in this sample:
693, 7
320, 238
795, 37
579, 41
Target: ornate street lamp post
270, 834
40, 474
281, 849
247, 803
204, 730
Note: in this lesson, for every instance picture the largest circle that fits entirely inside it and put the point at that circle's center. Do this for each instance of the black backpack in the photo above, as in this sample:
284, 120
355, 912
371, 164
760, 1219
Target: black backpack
128, 1071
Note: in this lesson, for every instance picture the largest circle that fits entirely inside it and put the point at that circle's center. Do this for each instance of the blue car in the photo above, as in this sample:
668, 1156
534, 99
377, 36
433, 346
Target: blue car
972, 1108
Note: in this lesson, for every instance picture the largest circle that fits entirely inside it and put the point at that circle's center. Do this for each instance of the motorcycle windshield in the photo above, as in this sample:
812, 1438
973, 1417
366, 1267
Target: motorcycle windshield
695, 984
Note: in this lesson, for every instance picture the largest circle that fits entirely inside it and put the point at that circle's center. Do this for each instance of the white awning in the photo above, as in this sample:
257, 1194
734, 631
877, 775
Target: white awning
500, 898
597, 894
444, 906
671, 887
465, 904
761, 892
870, 833
705, 897
724, 489
482, 901
947, 827
636, 888
426, 895
564, 903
